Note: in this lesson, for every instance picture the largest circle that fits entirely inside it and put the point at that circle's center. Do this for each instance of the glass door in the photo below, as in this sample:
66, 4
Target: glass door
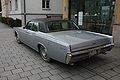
97, 14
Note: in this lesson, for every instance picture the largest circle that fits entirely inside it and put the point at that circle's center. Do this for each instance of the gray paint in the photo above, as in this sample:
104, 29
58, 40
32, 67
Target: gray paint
34, 9
59, 44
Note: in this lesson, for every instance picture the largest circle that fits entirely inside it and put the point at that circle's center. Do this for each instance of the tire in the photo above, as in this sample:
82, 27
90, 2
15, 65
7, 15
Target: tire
43, 53
18, 40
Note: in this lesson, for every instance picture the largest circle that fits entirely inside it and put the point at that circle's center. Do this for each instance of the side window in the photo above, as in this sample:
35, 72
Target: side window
35, 26
42, 27
29, 25
54, 26
45, 4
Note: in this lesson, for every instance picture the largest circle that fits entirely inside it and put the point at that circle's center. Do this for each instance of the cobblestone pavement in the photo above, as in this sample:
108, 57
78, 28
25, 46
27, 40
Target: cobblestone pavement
19, 62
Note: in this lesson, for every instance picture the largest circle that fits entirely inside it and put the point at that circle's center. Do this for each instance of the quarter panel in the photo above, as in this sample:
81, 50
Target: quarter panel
55, 49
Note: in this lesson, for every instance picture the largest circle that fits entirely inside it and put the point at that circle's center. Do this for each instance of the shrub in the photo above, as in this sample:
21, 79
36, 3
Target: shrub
3, 20
10, 22
18, 23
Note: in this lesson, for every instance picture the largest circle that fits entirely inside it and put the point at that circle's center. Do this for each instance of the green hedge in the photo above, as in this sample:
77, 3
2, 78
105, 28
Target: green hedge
18, 23
11, 22
3, 20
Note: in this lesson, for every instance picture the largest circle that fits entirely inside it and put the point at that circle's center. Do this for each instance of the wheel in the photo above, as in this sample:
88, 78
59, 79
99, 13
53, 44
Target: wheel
43, 53
17, 39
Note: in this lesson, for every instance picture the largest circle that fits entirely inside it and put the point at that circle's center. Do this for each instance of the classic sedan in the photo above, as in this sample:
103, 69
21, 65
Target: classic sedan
62, 40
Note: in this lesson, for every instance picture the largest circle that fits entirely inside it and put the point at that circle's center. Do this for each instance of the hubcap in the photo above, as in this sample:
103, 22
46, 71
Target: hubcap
17, 39
44, 54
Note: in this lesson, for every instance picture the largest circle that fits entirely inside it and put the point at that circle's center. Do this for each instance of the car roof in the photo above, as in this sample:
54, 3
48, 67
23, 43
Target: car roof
47, 19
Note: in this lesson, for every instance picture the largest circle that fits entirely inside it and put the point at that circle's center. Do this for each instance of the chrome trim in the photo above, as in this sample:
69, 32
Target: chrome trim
68, 58
69, 55
89, 50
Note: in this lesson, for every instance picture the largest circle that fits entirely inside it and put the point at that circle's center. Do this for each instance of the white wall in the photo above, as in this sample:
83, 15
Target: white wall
29, 17
35, 6
4, 5
16, 16
18, 11
15, 13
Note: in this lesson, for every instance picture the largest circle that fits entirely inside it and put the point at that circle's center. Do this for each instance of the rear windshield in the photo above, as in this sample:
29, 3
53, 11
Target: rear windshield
55, 26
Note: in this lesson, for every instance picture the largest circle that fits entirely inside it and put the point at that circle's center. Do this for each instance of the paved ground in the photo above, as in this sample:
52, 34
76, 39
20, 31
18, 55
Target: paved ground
19, 62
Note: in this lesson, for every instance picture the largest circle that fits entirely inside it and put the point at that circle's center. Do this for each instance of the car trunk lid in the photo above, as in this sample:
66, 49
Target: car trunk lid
79, 40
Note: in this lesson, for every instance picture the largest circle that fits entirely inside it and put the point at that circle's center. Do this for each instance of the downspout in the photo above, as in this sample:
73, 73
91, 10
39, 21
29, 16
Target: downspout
69, 11
78, 9
24, 13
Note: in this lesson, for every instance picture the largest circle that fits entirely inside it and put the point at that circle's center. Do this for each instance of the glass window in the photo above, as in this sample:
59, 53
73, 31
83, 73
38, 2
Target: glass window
29, 25
98, 15
55, 26
42, 27
10, 6
16, 4
45, 4
35, 27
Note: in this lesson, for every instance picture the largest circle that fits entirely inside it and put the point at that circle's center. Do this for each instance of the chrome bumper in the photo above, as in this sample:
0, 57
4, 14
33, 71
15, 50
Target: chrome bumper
82, 54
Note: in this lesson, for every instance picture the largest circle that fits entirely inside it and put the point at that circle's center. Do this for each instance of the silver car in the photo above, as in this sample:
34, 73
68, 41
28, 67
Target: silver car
62, 40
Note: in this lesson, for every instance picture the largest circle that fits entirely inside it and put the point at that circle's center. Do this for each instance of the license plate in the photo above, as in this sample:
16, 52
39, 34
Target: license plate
92, 53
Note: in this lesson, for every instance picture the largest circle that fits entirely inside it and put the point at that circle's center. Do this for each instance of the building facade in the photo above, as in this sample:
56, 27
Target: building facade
4, 4
117, 19
32, 9
102, 10
93, 15
101, 16
116, 27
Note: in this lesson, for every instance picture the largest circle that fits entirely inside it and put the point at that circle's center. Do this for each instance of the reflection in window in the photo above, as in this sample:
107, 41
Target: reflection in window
34, 27
29, 25
41, 27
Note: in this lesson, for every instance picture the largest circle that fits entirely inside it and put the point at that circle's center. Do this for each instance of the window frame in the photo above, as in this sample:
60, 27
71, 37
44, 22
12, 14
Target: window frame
36, 26
16, 5
10, 4
27, 25
44, 30
44, 3
73, 23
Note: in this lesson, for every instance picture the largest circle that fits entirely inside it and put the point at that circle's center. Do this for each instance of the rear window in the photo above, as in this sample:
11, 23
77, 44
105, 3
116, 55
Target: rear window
55, 26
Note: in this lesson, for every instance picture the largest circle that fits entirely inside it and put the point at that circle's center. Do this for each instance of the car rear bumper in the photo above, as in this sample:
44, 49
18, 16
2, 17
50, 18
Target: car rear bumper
83, 54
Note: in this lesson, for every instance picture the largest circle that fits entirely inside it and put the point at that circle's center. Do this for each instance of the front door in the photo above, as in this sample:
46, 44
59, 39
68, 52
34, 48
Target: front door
33, 35
26, 33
